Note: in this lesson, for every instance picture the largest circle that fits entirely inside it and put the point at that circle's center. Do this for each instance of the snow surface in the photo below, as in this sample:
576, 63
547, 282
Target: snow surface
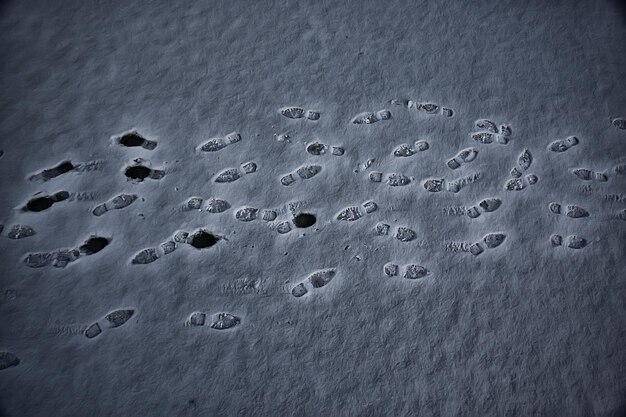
530, 325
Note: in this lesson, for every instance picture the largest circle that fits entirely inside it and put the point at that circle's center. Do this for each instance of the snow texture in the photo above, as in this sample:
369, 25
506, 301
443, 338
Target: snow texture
272, 208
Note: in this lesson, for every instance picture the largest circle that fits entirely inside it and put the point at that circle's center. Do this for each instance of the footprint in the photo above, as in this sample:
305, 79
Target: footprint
519, 184
488, 125
490, 133
619, 123
8, 360
304, 172
489, 241
216, 205
382, 229
396, 180
233, 174
353, 213
375, 176
219, 321
200, 239
410, 271
405, 150
413, 271
300, 220
133, 139
246, 214
118, 202
292, 112
435, 185
573, 241
94, 245
402, 233
304, 220
367, 118
486, 205
390, 269
268, 215
589, 175
212, 205
430, 108
314, 281
317, 149
223, 321
112, 320
464, 156
145, 256
20, 231
487, 138
405, 234
573, 211
563, 145
620, 169
524, 160
219, 143
60, 258
43, 203
139, 172
50, 173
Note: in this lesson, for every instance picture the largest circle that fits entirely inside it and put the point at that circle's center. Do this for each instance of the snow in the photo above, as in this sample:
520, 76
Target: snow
208, 298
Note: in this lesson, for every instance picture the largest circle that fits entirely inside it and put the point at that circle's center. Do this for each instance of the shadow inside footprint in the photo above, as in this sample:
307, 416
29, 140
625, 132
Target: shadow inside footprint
133, 139
94, 245
202, 239
44, 203
48, 174
304, 220
137, 172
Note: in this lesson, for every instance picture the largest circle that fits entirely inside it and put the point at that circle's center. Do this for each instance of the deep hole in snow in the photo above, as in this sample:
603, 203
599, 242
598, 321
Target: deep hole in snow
93, 245
202, 239
39, 204
304, 220
131, 139
137, 172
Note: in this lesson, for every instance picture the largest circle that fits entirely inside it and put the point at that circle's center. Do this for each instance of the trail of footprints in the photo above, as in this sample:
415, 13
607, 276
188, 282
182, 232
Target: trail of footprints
200, 239
60, 258
486, 132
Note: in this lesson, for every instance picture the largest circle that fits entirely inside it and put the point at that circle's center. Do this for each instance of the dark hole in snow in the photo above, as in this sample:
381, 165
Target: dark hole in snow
39, 204
304, 220
202, 239
64, 167
131, 139
93, 245
137, 172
